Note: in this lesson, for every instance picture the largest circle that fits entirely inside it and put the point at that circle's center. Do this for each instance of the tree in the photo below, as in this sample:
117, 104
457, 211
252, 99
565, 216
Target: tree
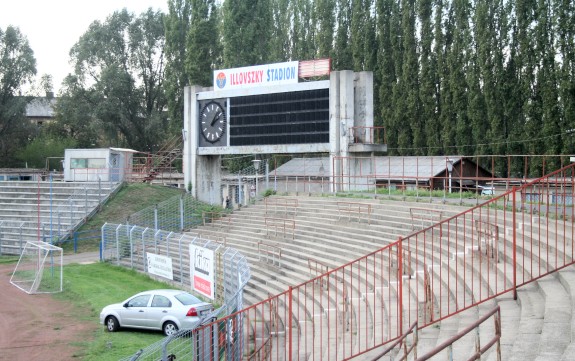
246, 42
177, 26
17, 68
204, 51
325, 23
342, 54
119, 73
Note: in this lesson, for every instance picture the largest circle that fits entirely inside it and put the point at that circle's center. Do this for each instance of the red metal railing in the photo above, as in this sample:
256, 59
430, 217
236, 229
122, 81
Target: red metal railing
443, 269
368, 135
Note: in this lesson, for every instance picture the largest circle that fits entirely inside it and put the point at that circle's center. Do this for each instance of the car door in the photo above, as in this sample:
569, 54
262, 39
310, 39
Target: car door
135, 312
159, 308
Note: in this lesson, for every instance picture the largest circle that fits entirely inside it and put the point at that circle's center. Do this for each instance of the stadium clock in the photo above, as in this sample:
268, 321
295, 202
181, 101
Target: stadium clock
213, 121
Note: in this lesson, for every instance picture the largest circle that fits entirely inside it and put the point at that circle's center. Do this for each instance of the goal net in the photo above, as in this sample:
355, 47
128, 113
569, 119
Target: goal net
39, 269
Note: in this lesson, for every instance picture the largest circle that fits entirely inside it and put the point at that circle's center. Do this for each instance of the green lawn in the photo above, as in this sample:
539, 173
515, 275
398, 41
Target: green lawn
91, 287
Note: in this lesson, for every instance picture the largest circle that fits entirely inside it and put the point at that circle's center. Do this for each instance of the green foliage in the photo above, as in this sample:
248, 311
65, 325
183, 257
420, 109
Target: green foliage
269, 192
38, 150
116, 95
203, 39
17, 68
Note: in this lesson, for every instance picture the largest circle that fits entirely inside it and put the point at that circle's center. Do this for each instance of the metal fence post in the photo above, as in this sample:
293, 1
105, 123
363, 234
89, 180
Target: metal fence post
290, 318
400, 283
182, 213
267, 175
240, 190
514, 222
156, 217
71, 215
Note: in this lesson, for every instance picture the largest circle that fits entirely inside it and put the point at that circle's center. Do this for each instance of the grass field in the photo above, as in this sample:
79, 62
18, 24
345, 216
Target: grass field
91, 287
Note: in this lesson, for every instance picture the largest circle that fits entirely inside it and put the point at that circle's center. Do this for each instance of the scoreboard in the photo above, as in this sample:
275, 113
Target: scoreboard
280, 118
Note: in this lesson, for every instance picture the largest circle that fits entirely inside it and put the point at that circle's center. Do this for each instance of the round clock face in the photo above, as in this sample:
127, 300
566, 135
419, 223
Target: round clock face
213, 121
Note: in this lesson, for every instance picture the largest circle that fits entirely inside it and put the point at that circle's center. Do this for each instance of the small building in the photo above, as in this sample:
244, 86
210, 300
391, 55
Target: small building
453, 173
99, 164
21, 174
40, 110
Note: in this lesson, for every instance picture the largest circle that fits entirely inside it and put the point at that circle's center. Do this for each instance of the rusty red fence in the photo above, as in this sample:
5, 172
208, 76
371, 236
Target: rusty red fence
425, 277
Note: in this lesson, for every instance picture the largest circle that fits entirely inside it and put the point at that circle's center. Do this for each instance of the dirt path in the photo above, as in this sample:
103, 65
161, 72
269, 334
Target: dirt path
37, 327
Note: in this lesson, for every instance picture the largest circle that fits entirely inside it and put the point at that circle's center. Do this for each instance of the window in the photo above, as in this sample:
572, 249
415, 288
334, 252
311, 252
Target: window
161, 301
79, 163
140, 301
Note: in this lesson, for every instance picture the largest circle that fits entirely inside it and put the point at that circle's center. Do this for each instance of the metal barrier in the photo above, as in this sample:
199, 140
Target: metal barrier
281, 206
174, 214
354, 209
479, 350
281, 226
270, 254
129, 246
369, 302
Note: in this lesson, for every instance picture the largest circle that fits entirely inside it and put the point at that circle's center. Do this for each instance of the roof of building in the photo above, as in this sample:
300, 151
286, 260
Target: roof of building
387, 167
41, 107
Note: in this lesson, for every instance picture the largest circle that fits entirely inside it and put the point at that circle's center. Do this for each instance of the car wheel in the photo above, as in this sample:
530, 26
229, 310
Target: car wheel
170, 328
112, 324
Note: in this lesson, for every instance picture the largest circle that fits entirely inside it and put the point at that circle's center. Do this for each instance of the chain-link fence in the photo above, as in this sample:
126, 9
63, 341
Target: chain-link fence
130, 246
174, 214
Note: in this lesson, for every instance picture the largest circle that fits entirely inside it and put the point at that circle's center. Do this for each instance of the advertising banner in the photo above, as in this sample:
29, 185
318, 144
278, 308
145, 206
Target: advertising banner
258, 75
160, 265
202, 270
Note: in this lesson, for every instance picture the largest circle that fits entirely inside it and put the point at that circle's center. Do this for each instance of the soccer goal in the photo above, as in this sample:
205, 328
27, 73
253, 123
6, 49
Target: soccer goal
39, 269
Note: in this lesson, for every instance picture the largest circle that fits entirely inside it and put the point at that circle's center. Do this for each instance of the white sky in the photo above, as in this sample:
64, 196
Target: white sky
53, 27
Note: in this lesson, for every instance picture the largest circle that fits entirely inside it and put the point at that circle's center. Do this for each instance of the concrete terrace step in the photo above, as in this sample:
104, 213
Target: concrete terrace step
536, 326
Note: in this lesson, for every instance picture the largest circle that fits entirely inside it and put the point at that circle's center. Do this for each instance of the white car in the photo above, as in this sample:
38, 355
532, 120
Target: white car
165, 310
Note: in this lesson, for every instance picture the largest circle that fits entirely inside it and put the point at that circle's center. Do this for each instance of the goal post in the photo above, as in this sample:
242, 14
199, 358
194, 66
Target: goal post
39, 269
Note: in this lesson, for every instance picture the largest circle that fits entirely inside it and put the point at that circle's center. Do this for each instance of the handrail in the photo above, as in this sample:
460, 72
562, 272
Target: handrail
270, 253
401, 339
478, 351
358, 208
283, 203
280, 224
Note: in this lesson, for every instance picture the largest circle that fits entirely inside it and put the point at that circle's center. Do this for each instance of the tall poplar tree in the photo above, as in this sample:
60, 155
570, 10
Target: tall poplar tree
428, 78
386, 70
204, 48
177, 25
325, 24
246, 32
342, 59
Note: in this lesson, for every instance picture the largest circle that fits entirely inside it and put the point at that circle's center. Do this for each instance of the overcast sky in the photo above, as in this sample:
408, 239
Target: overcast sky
53, 27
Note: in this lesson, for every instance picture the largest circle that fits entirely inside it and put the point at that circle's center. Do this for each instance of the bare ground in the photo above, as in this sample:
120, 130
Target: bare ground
38, 327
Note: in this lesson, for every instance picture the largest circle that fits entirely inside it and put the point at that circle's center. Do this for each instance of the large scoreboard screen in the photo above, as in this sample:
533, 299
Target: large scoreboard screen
280, 118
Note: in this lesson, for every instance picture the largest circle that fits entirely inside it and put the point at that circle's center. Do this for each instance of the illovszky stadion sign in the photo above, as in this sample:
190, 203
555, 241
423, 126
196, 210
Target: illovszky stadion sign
258, 75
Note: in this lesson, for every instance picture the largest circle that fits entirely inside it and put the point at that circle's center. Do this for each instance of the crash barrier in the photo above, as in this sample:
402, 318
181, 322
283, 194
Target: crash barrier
280, 226
354, 210
281, 207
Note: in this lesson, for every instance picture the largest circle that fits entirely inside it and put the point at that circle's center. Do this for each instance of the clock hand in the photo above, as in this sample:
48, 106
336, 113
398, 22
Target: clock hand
214, 120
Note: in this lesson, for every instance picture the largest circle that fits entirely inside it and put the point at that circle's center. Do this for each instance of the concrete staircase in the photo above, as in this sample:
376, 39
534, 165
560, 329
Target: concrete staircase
46, 210
539, 325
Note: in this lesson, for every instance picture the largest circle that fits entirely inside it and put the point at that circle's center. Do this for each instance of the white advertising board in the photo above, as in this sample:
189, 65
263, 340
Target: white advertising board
202, 270
160, 265
257, 75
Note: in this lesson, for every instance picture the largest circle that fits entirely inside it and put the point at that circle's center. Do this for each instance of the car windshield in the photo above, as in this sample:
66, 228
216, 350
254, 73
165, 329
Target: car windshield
187, 299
